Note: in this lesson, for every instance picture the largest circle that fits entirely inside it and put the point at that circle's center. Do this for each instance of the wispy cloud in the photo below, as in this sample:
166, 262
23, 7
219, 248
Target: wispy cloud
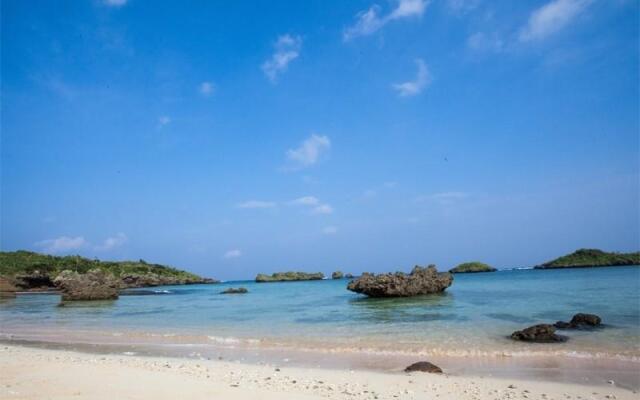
305, 201
286, 49
309, 151
206, 88
462, 6
414, 87
442, 197
370, 21
114, 3
330, 230
551, 18
62, 244
234, 253
163, 121
112, 242
256, 204
483, 42
322, 209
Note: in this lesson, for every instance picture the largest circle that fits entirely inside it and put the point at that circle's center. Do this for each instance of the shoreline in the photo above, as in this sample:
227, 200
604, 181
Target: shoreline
27, 373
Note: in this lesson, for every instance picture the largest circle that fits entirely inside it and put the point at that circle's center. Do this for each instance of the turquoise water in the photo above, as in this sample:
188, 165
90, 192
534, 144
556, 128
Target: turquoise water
474, 316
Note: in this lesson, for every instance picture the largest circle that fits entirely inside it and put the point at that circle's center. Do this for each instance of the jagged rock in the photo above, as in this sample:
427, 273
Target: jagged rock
7, 289
337, 275
289, 276
542, 333
235, 291
94, 285
419, 281
579, 320
423, 366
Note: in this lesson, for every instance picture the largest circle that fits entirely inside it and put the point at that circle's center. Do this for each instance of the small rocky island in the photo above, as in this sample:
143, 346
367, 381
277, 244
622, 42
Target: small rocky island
585, 258
337, 275
471, 267
29, 271
289, 276
420, 281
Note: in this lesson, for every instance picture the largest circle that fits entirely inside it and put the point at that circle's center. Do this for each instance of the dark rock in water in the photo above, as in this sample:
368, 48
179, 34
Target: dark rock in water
423, 366
289, 276
579, 320
419, 281
94, 285
337, 275
542, 333
235, 291
7, 289
349, 276
34, 280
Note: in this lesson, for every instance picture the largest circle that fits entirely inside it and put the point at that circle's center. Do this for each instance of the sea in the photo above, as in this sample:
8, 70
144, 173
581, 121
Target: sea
321, 323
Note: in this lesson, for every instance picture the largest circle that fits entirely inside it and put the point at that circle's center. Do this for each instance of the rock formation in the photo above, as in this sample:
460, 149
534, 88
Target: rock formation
348, 276
337, 275
542, 333
94, 285
423, 366
289, 276
239, 290
473, 266
580, 320
419, 281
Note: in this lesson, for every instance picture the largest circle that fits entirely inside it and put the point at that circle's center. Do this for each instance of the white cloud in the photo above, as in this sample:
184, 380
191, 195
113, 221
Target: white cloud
62, 244
163, 120
482, 42
206, 88
112, 242
370, 21
322, 209
305, 201
412, 88
330, 230
234, 253
287, 49
115, 3
309, 151
551, 18
256, 204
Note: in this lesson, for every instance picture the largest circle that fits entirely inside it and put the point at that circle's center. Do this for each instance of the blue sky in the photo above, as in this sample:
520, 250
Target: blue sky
231, 138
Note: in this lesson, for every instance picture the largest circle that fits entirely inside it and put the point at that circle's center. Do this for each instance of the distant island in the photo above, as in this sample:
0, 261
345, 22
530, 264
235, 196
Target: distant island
34, 271
474, 266
585, 258
289, 276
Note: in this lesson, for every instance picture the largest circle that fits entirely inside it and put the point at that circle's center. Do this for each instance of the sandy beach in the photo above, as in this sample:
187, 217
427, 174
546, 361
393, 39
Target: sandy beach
34, 373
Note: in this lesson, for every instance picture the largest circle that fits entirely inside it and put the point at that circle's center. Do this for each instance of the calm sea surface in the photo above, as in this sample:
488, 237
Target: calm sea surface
473, 318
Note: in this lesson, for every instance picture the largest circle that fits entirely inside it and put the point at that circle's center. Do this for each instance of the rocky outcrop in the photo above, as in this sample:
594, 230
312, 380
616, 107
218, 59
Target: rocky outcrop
239, 290
35, 280
580, 320
542, 333
93, 285
349, 276
7, 289
152, 279
337, 275
471, 267
419, 281
289, 276
423, 366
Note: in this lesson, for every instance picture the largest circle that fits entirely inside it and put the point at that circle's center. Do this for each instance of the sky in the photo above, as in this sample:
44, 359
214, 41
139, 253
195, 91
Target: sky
231, 138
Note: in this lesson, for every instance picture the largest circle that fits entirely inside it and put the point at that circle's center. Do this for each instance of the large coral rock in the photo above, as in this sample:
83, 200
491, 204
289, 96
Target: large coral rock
542, 333
7, 289
419, 281
94, 285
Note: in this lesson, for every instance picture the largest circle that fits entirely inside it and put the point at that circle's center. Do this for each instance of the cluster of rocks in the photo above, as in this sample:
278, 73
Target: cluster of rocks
546, 333
340, 275
420, 281
239, 290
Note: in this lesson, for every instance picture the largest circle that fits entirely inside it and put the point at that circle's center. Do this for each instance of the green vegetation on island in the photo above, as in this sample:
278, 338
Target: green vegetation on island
584, 258
474, 266
289, 276
30, 270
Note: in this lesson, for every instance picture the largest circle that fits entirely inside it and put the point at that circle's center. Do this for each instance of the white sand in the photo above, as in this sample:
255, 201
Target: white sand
32, 373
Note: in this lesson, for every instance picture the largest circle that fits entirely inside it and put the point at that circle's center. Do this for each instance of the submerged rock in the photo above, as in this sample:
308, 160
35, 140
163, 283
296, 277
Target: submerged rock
239, 290
579, 320
289, 276
7, 289
542, 333
337, 275
423, 366
419, 281
93, 285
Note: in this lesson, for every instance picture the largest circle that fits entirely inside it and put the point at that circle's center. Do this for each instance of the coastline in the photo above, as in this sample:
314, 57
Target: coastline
27, 373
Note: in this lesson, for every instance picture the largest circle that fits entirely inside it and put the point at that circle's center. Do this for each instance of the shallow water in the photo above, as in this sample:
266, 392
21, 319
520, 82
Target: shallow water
473, 318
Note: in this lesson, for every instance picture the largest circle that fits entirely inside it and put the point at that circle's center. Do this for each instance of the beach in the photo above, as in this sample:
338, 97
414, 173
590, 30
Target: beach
37, 373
